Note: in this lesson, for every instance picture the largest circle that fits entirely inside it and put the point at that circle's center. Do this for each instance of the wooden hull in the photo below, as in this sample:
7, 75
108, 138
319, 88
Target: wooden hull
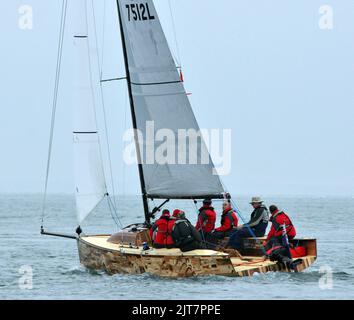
161, 262
97, 253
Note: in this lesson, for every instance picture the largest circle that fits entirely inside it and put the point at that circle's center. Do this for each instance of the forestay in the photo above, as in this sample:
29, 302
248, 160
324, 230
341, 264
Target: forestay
159, 96
88, 167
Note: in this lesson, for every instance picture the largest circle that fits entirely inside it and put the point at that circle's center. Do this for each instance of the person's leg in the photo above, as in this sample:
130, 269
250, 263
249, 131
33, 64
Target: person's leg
207, 240
260, 229
228, 233
203, 235
273, 241
215, 237
236, 239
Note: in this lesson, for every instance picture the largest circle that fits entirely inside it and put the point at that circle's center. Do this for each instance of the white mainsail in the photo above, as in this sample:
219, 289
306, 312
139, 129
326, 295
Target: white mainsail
159, 96
90, 185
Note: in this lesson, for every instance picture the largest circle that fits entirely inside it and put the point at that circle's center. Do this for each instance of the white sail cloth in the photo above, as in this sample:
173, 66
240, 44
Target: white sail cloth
90, 186
159, 96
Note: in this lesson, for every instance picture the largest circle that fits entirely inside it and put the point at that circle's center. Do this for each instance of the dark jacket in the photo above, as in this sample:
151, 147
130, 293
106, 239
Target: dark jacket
259, 215
185, 235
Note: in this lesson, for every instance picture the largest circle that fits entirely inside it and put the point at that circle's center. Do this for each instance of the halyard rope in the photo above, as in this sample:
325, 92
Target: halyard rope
55, 102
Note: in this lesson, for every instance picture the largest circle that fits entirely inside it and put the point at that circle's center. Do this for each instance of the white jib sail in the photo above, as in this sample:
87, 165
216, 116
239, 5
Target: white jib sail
90, 186
159, 97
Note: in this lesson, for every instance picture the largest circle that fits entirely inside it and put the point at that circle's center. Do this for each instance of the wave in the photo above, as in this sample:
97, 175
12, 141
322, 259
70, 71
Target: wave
80, 270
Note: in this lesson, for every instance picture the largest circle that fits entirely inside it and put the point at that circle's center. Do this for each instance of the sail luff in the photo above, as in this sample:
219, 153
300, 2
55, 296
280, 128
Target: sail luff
90, 184
132, 110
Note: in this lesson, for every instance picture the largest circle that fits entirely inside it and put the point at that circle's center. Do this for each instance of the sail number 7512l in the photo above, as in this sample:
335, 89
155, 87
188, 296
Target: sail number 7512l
139, 12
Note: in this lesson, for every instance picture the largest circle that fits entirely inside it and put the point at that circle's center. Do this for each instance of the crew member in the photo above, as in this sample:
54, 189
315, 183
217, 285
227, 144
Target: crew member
184, 234
206, 219
279, 220
229, 221
255, 227
161, 231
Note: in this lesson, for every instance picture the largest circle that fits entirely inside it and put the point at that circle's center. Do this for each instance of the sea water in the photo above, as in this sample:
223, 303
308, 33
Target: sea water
41, 267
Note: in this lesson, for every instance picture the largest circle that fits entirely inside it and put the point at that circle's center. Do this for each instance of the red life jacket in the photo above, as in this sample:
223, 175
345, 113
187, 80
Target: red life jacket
279, 218
228, 221
298, 252
206, 219
161, 233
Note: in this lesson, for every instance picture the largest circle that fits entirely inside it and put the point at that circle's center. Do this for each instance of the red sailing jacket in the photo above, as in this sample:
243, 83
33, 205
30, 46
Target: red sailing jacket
278, 219
161, 232
206, 219
228, 221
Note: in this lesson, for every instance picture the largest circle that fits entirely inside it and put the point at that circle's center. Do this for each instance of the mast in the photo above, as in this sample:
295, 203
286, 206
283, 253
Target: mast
135, 127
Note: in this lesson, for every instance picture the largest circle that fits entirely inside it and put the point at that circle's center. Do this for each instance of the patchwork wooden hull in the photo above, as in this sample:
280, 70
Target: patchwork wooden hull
97, 253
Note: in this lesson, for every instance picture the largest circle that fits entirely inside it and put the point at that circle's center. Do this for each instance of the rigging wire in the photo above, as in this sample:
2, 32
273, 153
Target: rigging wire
179, 62
55, 102
126, 106
100, 68
114, 214
103, 36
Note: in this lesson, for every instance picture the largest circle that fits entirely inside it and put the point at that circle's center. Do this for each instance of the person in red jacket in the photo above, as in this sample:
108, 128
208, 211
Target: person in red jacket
161, 231
278, 219
229, 221
206, 219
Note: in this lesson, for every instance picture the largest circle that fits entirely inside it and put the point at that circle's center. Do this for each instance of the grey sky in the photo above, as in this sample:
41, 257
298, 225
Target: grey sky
262, 68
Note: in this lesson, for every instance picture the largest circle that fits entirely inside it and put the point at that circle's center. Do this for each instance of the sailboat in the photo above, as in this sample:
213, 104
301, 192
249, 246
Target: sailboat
156, 93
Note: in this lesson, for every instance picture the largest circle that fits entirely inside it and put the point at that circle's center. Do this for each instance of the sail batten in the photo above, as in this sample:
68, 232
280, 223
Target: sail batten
90, 185
158, 95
